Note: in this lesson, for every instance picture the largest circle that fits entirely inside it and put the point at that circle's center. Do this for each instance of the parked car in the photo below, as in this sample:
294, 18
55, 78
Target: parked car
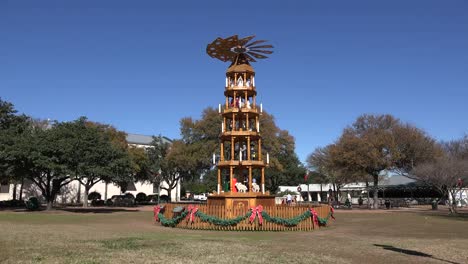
200, 197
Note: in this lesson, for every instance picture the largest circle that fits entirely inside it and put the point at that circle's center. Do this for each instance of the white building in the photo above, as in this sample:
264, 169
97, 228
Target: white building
71, 192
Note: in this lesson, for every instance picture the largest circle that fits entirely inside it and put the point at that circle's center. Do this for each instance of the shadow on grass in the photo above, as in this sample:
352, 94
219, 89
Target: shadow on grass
412, 253
96, 210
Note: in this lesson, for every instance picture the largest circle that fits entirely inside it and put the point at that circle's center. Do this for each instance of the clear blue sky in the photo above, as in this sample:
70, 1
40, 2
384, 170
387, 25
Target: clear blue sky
141, 65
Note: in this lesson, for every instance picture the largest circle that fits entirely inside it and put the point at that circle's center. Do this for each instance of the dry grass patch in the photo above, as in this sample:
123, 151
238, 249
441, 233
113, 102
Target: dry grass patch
131, 237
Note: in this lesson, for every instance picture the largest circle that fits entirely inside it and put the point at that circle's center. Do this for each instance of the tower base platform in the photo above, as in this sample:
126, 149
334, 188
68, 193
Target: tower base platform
237, 200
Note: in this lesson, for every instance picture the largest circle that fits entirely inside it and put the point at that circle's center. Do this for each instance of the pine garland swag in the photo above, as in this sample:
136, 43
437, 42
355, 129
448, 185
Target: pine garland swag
289, 222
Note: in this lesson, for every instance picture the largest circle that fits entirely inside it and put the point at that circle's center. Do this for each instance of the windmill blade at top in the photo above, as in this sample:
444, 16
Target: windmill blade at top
258, 56
262, 51
230, 48
244, 41
256, 42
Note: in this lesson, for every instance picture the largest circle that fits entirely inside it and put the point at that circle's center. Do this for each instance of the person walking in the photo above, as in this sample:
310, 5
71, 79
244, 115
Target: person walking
289, 199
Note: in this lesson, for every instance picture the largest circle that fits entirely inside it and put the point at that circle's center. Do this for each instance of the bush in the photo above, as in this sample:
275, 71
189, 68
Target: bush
94, 196
141, 197
12, 203
164, 199
32, 204
153, 198
97, 203
129, 195
123, 200
109, 202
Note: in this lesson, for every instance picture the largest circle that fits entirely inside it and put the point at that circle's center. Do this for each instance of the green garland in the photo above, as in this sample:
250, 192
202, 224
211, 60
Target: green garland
286, 221
234, 221
323, 221
171, 222
219, 221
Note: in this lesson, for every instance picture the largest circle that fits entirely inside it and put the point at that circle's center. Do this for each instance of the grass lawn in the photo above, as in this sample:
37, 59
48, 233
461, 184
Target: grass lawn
131, 237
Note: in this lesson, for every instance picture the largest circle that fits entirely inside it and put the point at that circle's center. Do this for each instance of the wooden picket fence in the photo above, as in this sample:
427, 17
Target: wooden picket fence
245, 225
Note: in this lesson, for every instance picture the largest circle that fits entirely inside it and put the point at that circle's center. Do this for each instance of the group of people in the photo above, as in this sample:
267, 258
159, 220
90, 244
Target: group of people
240, 82
240, 103
289, 200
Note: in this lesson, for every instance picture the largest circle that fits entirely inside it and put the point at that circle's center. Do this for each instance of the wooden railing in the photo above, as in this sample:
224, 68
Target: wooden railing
282, 211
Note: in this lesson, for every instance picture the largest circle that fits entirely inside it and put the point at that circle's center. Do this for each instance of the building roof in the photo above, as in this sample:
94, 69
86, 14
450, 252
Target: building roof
396, 180
143, 139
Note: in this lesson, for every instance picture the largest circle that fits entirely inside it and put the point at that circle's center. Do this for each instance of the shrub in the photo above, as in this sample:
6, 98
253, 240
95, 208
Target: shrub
12, 203
94, 196
97, 203
153, 198
32, 204
109, 202
123, 200
141, 197
129, 195
164, 199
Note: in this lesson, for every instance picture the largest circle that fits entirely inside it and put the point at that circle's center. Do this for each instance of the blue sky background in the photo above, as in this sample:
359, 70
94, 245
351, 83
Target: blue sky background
141, 65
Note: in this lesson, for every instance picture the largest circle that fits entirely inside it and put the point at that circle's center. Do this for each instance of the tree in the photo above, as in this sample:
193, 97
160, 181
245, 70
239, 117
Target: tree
321, 162
374, 143
169, 162
12, 129
448, 173
95, 152
41, 152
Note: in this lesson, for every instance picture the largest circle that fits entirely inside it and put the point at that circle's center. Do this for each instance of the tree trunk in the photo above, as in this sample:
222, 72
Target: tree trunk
169, 193
21, 189
453, 203
85, 196
368, 195
50, 202
105, 191
376, 192
14, 191
78, 195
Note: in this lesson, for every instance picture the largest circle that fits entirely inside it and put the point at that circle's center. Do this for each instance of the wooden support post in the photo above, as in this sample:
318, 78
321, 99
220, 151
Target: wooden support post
222, 150
233, 122
248, 148
232, 148
230, 178
247, 125
259, 149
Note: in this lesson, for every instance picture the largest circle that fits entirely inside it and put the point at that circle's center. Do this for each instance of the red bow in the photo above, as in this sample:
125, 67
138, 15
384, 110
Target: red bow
192, 209
256, 211
332, 212
156, 211
314, 216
